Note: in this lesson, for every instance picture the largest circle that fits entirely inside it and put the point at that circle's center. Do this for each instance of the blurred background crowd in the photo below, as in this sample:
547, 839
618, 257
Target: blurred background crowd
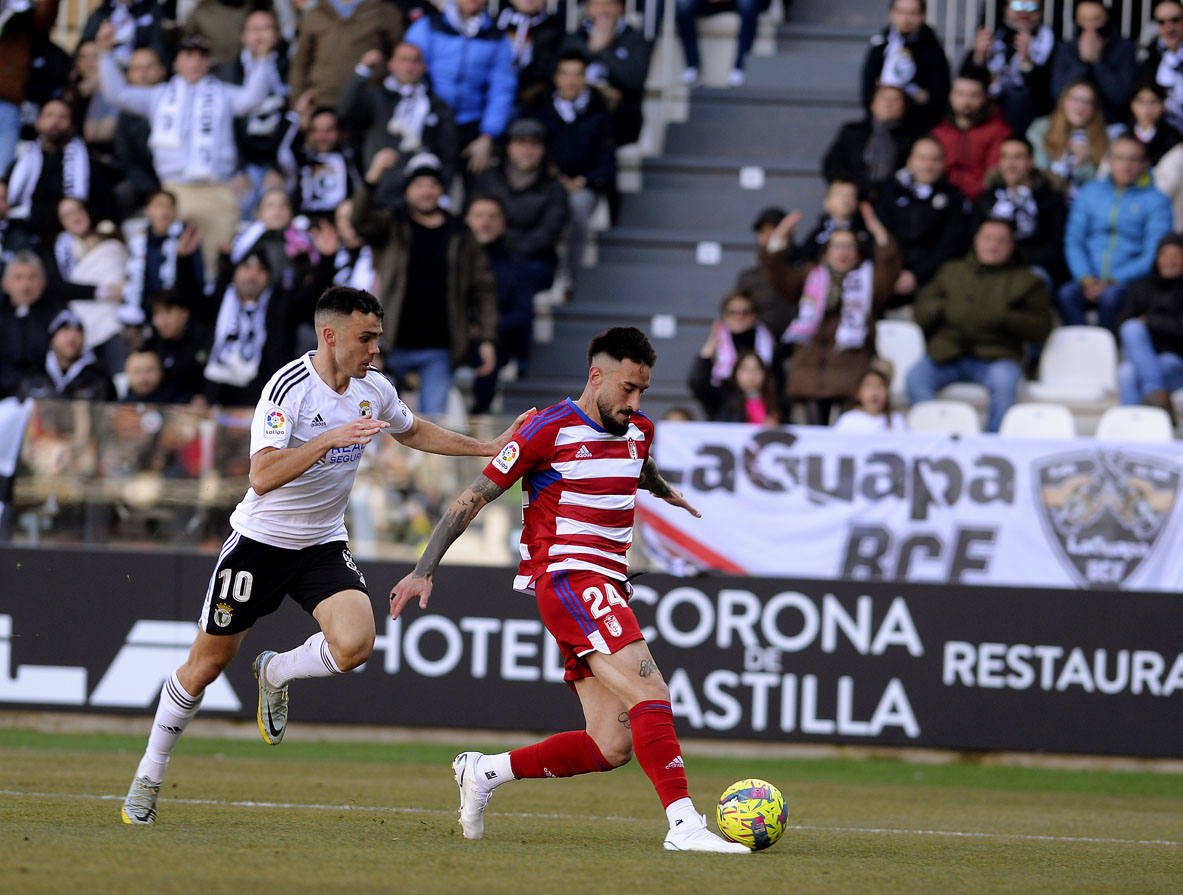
183, 181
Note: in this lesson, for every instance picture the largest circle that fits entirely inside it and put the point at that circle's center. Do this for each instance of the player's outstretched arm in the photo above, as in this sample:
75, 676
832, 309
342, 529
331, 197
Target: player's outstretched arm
462, 511
272, 468
425, 435
651, 480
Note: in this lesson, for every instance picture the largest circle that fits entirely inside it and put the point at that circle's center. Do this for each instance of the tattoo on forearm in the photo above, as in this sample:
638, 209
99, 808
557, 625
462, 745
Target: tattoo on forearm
455, 521
623, 719
651, 480
648, 667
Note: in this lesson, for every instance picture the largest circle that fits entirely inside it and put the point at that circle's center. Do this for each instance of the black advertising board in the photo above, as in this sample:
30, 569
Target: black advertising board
873, 663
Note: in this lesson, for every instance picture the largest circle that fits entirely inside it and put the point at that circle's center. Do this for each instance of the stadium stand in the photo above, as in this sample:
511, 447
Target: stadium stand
947, 417
1130, 423
1038, 421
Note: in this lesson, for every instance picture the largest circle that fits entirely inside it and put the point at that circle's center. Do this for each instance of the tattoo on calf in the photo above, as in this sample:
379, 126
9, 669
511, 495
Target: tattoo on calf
648, 667
623, 719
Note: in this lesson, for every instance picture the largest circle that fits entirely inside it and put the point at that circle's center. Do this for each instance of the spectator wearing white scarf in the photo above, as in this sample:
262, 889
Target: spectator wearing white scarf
192, 137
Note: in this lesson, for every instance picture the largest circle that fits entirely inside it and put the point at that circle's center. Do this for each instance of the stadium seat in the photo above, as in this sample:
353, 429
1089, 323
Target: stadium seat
1134, 423
1079, 363
1038, 421
902, 343
949, 417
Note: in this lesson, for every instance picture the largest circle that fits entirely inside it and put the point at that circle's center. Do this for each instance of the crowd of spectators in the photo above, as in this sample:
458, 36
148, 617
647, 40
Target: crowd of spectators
1037, 179
175, 194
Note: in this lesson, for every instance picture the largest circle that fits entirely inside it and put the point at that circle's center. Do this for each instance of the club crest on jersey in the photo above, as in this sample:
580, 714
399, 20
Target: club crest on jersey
365, 409
612, 625
508, 457
223, 614
632, 448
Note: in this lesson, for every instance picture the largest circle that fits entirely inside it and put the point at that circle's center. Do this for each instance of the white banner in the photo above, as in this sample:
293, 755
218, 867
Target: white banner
809, 502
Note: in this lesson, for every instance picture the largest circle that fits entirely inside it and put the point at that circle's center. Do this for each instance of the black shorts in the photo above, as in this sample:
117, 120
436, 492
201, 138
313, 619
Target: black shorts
251, 579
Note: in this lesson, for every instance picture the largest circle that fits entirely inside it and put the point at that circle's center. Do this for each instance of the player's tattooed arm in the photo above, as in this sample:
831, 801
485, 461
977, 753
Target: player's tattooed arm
462, 511
652, 481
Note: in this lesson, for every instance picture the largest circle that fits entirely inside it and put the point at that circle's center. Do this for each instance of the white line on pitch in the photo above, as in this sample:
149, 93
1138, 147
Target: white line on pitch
315, 806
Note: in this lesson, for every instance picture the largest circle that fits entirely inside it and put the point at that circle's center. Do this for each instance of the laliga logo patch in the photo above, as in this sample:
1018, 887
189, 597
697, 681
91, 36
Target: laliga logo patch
612, 625
1105, 511
365, 409
273, 423
508, 456
223, 614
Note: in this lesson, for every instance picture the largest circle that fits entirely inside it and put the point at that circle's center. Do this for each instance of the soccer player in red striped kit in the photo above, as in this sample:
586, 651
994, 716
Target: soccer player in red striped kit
582, 463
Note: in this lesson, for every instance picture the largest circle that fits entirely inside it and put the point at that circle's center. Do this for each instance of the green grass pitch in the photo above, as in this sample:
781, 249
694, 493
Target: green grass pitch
238, 816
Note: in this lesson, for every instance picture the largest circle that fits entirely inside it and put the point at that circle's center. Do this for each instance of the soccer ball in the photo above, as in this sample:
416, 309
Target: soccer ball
752, 813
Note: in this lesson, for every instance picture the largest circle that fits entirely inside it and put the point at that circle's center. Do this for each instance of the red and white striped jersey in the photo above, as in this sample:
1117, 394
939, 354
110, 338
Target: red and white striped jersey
579, 491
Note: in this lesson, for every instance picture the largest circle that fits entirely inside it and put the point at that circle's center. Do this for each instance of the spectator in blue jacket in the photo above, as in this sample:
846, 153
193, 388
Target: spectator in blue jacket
579, 141
1113, 232
471, 66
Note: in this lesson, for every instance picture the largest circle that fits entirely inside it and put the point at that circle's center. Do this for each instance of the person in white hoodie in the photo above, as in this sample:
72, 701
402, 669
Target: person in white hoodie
192, 133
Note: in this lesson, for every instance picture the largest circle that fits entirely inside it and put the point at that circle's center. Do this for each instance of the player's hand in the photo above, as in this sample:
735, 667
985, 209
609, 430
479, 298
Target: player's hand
372, 59
503, 439
675, 499
189, 241
358, 431
407, 590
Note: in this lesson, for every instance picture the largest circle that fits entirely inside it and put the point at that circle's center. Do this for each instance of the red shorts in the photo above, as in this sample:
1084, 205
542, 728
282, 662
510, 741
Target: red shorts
585, 612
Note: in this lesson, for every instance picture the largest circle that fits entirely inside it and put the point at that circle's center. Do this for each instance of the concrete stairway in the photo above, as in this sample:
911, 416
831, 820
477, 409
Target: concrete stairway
683, 238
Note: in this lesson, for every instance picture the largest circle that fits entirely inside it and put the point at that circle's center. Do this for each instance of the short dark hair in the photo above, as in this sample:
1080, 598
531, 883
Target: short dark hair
574, 54
1022, 141
486, 197
168, 194
623, 343
993, 219
324, 110
344, 300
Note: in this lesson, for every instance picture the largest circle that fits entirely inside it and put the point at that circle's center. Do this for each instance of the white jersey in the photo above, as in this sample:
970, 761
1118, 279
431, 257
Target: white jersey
297, 406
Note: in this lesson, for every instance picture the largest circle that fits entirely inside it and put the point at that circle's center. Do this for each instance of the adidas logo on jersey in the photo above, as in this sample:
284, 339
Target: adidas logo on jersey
583, 453
318, 421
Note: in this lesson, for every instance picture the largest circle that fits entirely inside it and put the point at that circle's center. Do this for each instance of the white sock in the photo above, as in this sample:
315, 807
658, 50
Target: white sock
311, 658
176, 707
683, 811
493, 770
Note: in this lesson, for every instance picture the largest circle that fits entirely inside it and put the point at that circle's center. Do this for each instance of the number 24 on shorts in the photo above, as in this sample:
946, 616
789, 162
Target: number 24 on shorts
597, 598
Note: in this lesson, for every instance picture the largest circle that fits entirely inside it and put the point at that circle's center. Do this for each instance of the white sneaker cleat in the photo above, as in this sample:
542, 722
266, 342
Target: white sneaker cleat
689, 76
737, 78
473, 796
691, 836
140, 805
273, 703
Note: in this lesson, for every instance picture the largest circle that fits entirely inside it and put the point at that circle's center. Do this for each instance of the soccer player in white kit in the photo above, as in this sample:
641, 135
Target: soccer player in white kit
310, 428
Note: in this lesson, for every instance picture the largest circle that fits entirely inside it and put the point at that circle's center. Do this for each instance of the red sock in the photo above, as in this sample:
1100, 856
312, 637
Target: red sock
657, 749
562, 755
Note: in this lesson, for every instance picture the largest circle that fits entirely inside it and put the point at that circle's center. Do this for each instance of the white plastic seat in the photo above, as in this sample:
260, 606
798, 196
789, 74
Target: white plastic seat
1135, 423
902, 343
1078, 363
1038, 421
948, 417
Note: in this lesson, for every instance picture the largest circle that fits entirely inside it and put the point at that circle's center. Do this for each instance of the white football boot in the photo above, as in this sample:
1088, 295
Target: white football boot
473, 796
690, 836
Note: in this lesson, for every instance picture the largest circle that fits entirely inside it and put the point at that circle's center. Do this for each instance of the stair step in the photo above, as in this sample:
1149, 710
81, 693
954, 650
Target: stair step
607, 289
